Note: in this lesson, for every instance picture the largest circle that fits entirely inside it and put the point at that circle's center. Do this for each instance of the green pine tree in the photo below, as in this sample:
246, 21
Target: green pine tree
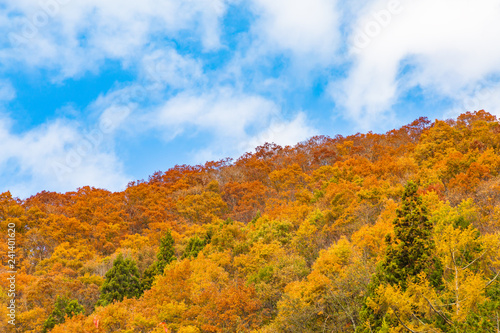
148, 277
63, 308
407, 255
167, 253
122, 280
412, 250
164, 257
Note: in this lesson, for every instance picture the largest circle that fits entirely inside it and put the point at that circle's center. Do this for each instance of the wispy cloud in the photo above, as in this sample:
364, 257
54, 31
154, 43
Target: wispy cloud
223, 112
76, 36
58, 157
309, 30
443, 46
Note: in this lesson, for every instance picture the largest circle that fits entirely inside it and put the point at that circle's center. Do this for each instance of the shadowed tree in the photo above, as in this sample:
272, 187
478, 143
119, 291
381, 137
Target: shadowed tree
63, 308
408, 254
122, 280
164, 257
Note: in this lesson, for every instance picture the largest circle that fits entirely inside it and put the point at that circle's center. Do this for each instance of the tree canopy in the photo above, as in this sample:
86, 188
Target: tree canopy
393, 232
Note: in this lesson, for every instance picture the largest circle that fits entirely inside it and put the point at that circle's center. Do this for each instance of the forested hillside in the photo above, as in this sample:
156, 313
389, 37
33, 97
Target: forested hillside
392, 232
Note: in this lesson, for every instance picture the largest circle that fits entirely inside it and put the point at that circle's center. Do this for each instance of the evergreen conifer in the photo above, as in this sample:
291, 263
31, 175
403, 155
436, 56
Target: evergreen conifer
63, 308
122, 280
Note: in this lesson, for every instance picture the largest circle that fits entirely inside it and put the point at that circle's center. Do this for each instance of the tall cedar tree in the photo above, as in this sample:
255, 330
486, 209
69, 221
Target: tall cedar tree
164, 257
167, 253
122, 280
412, 250
407, 255
63, 308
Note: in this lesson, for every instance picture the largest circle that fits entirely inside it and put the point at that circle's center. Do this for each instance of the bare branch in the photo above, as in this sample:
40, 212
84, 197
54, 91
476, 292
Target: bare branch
409, 329
415, 316
453, 257
324, 324
492, 280
348, 313
473, 261
438, 312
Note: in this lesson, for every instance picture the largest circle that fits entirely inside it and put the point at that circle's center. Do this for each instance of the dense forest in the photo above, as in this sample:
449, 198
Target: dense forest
394, 232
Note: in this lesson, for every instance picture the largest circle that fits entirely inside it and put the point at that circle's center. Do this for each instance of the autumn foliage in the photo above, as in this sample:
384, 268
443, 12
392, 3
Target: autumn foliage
391, 232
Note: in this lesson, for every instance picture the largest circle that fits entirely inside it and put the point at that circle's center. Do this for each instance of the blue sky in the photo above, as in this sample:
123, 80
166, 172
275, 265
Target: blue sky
101, 93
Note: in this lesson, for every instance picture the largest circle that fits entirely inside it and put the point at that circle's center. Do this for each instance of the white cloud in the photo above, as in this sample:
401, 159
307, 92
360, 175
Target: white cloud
235, 122
307, 28
57, 157
282, 132
482, 97
450, 45
75, 36
167, 67
279, 131
113, 117
222, 112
